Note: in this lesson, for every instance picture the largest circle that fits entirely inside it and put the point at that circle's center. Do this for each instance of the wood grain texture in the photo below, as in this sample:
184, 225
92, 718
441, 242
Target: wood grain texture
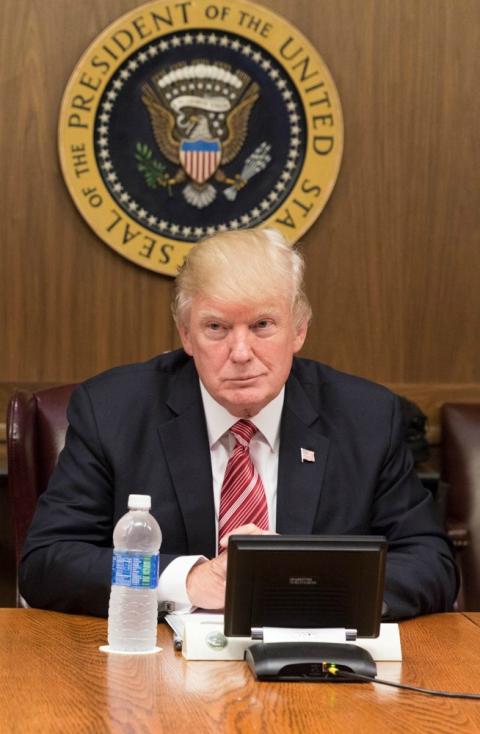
53, 678
72, 307
393, 262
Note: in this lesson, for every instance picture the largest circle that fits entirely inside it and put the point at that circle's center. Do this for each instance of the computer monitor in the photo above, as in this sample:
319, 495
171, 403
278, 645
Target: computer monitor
306, 581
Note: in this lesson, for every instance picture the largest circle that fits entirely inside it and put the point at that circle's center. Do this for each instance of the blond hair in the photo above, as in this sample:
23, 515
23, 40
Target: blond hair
242, 266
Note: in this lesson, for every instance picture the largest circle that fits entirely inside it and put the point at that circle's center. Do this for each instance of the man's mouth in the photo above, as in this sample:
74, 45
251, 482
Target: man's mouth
243, 379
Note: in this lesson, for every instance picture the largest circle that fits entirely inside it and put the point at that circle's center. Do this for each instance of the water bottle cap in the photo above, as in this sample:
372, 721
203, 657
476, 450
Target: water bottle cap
139, 502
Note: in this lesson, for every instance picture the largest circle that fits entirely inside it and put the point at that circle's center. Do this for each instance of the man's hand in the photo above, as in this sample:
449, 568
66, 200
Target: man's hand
207, 579
206, 583
243, 530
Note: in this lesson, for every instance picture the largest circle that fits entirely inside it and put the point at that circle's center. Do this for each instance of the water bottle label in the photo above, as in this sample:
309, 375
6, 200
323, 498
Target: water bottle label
135, 570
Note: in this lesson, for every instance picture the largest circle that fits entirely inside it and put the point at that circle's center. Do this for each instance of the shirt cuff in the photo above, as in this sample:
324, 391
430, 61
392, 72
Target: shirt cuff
172, 584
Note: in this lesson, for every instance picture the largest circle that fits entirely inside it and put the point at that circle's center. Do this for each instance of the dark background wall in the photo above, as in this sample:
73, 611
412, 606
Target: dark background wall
393, 262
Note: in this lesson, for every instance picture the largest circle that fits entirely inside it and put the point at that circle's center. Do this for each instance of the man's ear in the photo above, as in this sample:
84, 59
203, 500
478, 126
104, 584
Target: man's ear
300, 336
185, 337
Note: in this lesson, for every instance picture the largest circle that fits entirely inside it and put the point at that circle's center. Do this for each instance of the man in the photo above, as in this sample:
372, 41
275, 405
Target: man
233, 433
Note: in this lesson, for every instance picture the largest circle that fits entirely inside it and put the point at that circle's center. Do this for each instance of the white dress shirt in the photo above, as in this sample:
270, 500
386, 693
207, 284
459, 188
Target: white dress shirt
264, 449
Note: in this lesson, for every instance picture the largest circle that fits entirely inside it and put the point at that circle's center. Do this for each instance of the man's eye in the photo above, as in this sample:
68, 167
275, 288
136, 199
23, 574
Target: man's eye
215, 328
263, 325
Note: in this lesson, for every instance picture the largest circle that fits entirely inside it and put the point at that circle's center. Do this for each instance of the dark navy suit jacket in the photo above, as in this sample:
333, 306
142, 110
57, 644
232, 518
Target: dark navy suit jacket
141, 429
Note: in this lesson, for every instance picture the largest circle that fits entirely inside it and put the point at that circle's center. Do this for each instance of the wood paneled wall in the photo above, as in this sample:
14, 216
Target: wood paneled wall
393, 262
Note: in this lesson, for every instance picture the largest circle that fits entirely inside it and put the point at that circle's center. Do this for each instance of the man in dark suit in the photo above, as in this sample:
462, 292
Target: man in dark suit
328, 452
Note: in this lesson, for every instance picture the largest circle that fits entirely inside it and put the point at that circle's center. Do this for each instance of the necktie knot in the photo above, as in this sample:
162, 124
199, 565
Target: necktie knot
243, 431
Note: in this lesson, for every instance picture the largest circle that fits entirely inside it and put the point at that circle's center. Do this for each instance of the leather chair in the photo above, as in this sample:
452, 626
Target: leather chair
36, 427
460, 424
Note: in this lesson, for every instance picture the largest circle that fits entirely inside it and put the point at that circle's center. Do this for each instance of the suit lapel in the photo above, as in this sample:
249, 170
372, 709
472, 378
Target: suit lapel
299, 483
185, 443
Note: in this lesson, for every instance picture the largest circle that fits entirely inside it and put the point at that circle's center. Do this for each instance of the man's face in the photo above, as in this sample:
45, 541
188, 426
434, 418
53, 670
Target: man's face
243, 353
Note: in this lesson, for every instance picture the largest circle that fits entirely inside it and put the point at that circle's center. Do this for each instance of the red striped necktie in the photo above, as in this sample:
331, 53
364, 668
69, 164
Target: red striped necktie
242, 499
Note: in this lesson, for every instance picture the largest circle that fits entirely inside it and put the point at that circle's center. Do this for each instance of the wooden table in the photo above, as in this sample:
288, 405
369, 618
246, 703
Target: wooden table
54, 679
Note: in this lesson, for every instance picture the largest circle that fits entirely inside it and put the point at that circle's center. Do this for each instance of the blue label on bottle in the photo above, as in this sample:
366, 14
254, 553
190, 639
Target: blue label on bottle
135, 570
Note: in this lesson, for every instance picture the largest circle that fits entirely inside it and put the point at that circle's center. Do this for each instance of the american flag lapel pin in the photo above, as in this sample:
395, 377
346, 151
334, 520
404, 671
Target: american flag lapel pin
307, 455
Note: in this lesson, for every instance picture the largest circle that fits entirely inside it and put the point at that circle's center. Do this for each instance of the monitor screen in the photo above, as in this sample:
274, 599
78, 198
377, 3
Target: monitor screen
306, 581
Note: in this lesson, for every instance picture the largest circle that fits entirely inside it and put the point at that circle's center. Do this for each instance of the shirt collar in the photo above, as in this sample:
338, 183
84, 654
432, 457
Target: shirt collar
219, 420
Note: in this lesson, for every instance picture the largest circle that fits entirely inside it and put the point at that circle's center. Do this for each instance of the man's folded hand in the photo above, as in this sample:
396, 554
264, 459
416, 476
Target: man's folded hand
207, 580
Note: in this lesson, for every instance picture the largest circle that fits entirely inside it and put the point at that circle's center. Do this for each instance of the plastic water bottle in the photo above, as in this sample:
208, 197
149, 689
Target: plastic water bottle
132, 611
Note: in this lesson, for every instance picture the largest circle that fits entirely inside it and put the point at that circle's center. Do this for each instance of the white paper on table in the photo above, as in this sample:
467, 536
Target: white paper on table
387, 646
195, 629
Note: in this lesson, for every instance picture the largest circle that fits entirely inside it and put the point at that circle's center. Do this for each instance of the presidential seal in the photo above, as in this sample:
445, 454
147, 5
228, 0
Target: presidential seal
190, 118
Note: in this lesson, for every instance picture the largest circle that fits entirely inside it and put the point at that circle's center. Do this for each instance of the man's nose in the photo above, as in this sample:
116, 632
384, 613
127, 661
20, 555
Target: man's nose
240, 348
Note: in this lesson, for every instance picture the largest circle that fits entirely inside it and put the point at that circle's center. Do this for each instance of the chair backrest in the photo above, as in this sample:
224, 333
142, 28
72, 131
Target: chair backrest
36, 428
460, 424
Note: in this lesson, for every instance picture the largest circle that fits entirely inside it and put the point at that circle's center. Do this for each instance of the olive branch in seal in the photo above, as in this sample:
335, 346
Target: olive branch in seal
155, 173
